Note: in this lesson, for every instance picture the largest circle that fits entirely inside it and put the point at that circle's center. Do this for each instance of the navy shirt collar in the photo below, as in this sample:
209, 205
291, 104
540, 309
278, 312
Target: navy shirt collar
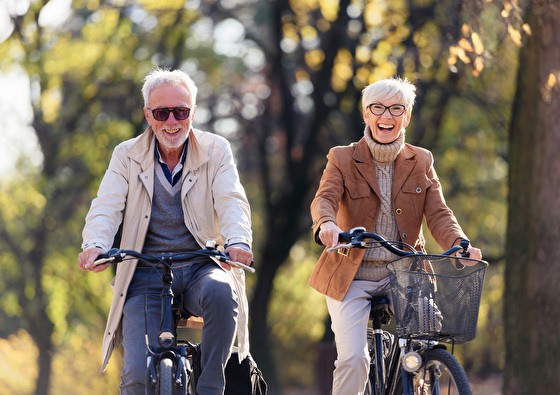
178, 171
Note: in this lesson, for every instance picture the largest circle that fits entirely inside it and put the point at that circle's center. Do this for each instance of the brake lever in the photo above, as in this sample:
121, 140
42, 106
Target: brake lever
464, 252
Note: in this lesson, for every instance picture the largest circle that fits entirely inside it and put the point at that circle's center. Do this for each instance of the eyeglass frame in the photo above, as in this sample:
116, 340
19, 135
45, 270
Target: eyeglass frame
170, 110
387, 108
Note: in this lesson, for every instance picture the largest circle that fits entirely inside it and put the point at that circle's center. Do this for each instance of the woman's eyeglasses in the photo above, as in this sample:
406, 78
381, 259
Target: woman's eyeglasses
395, 110
162, 113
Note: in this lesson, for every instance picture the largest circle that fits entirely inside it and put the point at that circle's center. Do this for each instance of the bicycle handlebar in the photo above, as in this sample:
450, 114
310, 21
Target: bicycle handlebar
357, 238
115, 255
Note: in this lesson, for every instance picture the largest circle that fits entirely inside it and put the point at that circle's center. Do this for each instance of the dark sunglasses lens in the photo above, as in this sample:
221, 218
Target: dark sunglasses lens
181, 113
161, 114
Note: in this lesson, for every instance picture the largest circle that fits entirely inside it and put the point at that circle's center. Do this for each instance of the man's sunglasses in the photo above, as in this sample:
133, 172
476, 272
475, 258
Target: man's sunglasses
162, 113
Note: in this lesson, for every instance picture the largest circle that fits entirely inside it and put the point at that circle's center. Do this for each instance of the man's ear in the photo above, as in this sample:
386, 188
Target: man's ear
147, 115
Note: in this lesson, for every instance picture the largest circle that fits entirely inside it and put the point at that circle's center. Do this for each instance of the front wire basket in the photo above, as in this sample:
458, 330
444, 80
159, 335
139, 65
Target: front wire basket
433, 300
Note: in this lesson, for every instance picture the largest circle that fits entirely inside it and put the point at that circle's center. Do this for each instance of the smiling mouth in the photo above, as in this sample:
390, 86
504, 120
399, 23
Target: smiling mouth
171, 131
385, 127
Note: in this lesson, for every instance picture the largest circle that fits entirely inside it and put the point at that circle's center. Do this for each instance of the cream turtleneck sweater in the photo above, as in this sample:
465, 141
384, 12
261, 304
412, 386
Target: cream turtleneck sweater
384, 155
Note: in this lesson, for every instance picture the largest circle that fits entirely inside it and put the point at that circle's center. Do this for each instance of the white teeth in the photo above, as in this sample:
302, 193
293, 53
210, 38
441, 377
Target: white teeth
171, 131
384, 126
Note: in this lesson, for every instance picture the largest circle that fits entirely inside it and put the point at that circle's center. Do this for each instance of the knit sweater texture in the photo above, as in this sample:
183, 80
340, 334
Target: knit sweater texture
373, 266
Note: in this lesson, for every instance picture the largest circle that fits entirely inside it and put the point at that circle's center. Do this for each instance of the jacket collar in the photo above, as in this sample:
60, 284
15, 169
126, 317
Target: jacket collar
404, 163
143, 148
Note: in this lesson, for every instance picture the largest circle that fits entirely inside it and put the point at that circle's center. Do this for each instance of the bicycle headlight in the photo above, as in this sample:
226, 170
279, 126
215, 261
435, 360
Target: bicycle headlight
166, 339
411, 361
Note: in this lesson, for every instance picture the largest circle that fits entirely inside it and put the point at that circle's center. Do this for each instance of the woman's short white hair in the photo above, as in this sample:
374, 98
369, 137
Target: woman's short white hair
159, 76
387, 88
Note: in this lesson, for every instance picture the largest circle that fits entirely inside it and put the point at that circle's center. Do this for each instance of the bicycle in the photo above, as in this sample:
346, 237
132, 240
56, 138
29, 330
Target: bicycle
435, 300
171, 366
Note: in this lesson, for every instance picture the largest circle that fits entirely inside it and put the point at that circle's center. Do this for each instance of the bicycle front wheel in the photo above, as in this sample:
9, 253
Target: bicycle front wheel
165, 379
440, 374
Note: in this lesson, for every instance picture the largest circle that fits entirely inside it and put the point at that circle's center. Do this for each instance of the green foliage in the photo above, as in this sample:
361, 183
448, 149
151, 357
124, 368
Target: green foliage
297, 314
79, 357
284, 89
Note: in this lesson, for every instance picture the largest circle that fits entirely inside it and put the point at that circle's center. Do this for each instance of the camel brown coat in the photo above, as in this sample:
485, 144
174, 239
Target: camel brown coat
348, 195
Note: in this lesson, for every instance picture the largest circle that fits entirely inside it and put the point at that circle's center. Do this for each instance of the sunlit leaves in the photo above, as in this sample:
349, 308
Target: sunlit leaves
329, 9
314, 58
162, 4
342, 70
552, 83
469, 49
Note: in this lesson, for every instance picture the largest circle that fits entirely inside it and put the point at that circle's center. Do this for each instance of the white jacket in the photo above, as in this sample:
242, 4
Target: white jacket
212, 196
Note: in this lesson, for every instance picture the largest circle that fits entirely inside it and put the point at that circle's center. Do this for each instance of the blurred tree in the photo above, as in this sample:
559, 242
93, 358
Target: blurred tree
319, 55
531, 304
282, 81
85, 79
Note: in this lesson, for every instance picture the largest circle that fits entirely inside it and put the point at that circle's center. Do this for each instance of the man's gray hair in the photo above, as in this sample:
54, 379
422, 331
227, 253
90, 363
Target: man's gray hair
159, 76
387, 88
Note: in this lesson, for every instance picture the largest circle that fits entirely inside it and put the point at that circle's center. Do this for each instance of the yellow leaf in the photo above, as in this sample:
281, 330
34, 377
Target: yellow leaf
463, 56
515, 35
465, 29
477, 42
452, 60
552, 80
526, 28
478, 63
465, 44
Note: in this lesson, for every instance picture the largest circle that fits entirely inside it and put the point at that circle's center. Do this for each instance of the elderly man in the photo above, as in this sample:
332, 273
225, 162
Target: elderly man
172, 188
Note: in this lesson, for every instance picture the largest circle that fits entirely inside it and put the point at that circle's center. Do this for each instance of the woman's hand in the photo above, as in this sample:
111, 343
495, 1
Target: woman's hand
328, 234
473, 252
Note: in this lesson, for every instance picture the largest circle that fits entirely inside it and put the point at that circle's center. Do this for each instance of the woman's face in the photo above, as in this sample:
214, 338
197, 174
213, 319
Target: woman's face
386, 127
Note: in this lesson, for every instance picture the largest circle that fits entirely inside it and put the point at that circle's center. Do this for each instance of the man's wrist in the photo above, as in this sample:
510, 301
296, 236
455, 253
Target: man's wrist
86, 246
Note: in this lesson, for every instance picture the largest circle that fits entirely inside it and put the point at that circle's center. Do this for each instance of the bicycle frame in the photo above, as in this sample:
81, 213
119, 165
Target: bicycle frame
167, 339
168, 367
412, 362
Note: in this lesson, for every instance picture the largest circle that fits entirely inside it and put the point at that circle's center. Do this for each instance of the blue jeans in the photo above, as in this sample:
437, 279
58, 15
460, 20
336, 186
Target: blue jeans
207, 292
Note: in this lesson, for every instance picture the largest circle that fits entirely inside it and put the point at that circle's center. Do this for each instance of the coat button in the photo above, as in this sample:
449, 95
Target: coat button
418, 189
398, 211
404, 236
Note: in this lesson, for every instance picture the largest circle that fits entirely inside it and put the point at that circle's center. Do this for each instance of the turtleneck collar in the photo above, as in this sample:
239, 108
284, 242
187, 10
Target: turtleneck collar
384, 153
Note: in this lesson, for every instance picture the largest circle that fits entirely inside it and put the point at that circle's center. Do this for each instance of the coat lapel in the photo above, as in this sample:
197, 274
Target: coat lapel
403, 166
143, 153
196, 157
364, 163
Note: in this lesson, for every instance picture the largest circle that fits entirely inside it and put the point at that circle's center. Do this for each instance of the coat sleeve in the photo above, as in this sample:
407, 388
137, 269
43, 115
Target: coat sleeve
231, 203
325, 204
441, 221
106, 211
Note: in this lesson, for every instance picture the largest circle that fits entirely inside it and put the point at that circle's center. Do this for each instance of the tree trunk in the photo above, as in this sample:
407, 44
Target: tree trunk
531, 309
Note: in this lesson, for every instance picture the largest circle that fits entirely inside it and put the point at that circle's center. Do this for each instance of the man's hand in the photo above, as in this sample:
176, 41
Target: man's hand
238, 254
88, 256
328, 234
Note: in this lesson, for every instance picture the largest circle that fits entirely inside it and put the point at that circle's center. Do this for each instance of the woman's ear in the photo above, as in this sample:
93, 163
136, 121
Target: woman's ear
407, 116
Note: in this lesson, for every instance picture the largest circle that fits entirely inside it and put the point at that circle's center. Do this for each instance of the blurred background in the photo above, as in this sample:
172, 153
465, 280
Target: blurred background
282, 81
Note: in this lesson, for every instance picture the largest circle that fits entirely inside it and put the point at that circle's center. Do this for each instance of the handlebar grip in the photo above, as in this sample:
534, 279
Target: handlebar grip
352, 234
345, 237
465, 247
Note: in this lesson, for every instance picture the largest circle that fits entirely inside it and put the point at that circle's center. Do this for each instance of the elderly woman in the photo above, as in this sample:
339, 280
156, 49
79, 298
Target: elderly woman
387, 186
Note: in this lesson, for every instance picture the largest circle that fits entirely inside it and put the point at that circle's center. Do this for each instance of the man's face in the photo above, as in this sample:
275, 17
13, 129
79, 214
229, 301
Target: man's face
172, 132
385, 128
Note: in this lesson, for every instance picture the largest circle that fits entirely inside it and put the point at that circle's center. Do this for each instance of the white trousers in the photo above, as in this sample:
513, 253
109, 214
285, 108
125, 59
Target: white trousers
349, 323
